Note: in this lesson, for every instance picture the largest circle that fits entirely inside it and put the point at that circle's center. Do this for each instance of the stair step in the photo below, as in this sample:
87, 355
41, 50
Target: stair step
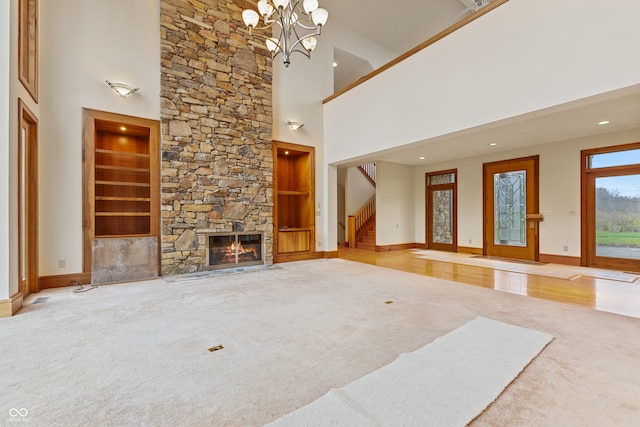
368, 240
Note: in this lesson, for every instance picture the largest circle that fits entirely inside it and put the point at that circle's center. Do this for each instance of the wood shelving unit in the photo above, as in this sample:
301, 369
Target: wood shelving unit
294, 214
122, 193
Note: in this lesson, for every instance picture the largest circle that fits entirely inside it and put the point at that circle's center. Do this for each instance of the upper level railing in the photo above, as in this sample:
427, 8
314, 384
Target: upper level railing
369, 170
461, 23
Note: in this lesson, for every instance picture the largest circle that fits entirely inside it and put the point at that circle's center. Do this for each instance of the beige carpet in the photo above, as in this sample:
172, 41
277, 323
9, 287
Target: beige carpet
137, 353
448, 382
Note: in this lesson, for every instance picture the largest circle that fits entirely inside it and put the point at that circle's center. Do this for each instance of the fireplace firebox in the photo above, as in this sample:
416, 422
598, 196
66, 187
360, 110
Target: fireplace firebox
234, 250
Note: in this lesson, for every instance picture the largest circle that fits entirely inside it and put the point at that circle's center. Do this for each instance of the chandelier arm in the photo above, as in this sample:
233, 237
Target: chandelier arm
299, 39
265, 38
309, 27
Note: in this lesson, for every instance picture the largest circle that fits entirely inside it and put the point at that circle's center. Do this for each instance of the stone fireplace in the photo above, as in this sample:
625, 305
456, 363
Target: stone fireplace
234, 250
217, 165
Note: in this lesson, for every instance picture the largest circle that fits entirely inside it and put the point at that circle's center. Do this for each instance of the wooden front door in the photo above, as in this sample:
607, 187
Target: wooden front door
511, 208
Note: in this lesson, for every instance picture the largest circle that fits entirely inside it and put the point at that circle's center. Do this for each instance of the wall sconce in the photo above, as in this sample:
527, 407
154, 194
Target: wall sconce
294, 126
122, 89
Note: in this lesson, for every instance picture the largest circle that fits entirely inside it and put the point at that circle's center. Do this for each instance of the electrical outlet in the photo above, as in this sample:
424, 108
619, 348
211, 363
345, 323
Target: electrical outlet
565, 248
470, 241
61, 263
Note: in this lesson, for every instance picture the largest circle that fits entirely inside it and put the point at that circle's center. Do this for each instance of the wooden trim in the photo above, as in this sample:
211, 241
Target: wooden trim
351, 234
9, 307
442, 34
398, 247
64, 280
28, 46
29, 148
560, 259
138, 126
331, 254
469, 250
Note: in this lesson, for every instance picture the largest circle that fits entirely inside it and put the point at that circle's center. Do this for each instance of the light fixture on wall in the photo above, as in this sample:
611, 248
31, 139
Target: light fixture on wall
122, 89
291, 17
294, 126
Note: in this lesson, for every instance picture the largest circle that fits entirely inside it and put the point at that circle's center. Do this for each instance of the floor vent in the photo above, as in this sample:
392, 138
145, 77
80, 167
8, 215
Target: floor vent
216, 348
41, 300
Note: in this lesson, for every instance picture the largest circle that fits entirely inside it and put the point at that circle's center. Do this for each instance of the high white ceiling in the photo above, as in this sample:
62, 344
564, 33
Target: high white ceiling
403, 24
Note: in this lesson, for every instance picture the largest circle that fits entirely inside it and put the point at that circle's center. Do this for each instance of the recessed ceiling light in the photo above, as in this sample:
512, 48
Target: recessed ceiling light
421, 157
493, 144
286, 152
604, 122
123, 128
335, 64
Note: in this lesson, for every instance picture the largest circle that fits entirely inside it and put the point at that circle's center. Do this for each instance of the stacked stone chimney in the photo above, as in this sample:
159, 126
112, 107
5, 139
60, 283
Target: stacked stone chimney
217, 167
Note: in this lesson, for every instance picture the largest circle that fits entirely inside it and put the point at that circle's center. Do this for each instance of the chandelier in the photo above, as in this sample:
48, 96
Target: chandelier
291, 17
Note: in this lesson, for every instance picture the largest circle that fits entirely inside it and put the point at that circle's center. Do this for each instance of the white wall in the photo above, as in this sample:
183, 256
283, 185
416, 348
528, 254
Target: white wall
5, 179
394, 204
83, 44
559, 191
298, 92
523, 56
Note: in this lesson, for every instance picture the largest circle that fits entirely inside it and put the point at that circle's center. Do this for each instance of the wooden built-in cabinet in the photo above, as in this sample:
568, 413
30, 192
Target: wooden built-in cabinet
121, 179
294, 213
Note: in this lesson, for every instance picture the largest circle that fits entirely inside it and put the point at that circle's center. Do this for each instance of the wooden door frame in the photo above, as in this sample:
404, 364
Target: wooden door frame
587, 203
428, 211
532, 211
88, 175
28, 120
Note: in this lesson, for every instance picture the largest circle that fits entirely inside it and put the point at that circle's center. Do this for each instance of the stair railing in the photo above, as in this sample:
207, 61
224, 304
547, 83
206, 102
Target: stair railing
369, 170
360, 220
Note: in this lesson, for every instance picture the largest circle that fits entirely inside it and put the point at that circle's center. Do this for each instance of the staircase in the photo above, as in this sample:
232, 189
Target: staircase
366, 238
362, 226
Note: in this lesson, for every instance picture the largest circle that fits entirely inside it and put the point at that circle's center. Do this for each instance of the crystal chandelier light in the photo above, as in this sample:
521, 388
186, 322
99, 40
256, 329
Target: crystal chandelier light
291, 17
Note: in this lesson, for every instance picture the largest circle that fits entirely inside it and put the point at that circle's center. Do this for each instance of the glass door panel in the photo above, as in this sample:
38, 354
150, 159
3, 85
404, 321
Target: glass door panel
617, 213
442, 202
510, 208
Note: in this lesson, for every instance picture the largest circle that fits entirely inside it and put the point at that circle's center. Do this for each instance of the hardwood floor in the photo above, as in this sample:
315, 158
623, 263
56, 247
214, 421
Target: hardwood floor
612, 296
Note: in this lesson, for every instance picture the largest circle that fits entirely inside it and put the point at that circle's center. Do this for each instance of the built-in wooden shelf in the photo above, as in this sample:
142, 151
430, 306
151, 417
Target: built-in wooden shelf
144, 171
123, 214
124, 183
124, 199
292, 193
122, 153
